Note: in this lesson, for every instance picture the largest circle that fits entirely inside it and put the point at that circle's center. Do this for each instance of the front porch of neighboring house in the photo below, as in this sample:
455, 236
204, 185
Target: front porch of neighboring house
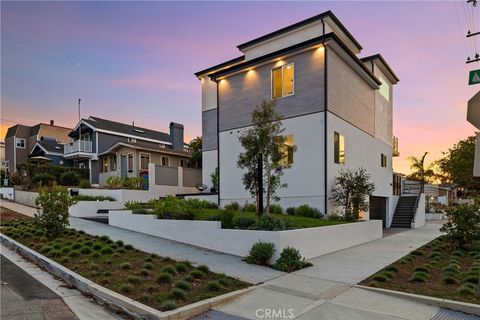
130, 162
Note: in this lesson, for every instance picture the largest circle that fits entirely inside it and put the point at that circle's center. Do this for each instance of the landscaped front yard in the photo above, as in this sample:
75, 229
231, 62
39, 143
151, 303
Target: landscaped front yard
435, 269
159, 282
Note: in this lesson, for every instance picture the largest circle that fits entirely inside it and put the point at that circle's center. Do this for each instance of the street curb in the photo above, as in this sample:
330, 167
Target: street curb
465, 307
113, 300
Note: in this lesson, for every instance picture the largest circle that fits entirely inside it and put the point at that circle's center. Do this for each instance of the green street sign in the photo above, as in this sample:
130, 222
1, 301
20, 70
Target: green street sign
474, 77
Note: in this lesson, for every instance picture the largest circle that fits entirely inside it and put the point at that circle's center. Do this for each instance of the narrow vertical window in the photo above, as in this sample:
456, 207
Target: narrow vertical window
165, 161
285, 151
105, 164
144, 160
283, 81
338, 148
130, 162
113, 163
383, 160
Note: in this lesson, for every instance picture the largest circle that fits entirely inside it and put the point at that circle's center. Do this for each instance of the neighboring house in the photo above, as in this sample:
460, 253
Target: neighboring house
20, 141
49, 151
473, 116
337, 110
110, 148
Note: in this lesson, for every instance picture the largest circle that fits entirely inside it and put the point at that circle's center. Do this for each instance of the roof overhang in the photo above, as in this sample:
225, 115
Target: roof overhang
128, 145
45, 150
219, 67
41, 158
383, 65
330, 40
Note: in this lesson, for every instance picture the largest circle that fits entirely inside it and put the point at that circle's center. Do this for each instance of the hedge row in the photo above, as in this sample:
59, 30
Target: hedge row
55, 171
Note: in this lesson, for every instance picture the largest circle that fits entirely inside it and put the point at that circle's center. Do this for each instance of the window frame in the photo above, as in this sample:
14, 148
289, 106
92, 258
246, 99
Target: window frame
337, 154
184, 163
140, 160
272, 84
130, 156
105, 164
383, 160
113, 162
17, 140
168, 161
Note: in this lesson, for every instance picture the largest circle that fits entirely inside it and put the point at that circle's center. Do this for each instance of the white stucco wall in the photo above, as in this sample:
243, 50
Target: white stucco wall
26, 197
209, 94
90, 208
419, 219
7, 193
311, 242
304, 178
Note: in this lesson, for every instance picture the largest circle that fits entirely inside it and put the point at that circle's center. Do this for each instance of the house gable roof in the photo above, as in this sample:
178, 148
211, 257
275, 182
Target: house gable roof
49, 147
113, 127
146, 148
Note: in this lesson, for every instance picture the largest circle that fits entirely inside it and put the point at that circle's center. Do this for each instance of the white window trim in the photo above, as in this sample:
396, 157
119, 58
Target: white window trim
24, 143
113, 156
140, 160
271, 81
107, 157
133, 162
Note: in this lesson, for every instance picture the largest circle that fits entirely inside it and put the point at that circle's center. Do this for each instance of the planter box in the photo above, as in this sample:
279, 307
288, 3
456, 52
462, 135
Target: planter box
90, 208
26, 197
311, 242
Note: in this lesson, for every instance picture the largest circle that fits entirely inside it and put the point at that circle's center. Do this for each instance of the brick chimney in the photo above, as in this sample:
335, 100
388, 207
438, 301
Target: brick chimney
176, 136
52, 123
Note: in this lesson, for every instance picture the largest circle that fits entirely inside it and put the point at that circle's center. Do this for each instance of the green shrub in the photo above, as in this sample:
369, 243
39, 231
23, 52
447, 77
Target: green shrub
168, 269
306, 211
260, 253
181, 267
97, 246
173, 208
223, 281
419, 276
134, 279
53, 204
213, 286
168, 305
84, 184
119, 243
83, 197
234, 206
64, 260
144, 272
449, 279
270, 222
249, 207
188, 278
43, 179
115, 182
74, 254
66, 250
178, 293
128, 247
380, 278
417, 253
391, 268
164, 278
472, 278
184, 285
200, 204
462, 226
46, 249
85, 250
291, 211
106, 250
203, 268
69, 178
422, 269
290, 260
243, 222
125, 288
276, 208
135, 205
133, 183
55, 253
148, 266
467, 290
126, 265
196, 274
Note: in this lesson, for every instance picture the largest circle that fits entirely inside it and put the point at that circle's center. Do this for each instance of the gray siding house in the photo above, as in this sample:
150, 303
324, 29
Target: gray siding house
110, 148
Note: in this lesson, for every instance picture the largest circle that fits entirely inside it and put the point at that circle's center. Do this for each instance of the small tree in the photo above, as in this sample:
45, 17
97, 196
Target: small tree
264, 138
214, 178
196, 148
350, 191
53, 204
463, 226
420, 171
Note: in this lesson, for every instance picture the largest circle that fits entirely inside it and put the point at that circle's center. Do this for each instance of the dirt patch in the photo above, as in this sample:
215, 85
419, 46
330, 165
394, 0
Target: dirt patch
7, 215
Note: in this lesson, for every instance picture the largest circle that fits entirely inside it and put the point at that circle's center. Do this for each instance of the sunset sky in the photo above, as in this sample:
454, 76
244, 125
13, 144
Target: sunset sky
131, 61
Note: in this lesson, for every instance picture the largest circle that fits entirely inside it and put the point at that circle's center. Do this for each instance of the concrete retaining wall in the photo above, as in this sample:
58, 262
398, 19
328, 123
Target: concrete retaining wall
433, 216
419, 218
26, 197
90, 208
7, 193
311, 242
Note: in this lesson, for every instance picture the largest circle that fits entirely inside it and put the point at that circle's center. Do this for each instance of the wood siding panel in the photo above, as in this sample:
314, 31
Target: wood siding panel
349, 96
209, 130
240, 94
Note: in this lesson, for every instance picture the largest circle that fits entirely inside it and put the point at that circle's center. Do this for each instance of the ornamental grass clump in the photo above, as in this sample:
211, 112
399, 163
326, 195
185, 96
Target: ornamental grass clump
164, 278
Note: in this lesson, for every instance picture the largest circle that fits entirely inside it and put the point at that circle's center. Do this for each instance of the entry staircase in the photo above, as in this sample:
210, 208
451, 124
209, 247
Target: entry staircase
404, 212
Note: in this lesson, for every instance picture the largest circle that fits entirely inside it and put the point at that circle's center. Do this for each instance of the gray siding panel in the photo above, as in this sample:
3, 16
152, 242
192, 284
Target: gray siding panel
106, 140
240, 94
166, 176
209, 130
191, 177
349, 96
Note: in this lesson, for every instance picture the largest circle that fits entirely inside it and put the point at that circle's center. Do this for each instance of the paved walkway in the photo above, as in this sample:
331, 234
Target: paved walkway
218, 262
327, 291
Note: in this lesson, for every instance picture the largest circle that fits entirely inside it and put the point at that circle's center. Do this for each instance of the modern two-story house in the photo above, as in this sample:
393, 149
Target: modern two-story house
336, 108
110, 148
42, 142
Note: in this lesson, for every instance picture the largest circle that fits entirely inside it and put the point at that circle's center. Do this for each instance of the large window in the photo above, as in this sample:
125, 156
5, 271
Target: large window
338, 148
286, 150
384, 88
283, 81
105, 164
20, 143
130, 162
144, 160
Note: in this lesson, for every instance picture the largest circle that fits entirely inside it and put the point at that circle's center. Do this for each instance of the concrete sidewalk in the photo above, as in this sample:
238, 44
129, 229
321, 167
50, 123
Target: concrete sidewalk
218, 262
326, 290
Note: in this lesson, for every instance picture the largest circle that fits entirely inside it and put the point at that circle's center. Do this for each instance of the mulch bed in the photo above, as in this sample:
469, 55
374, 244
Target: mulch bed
7, 215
